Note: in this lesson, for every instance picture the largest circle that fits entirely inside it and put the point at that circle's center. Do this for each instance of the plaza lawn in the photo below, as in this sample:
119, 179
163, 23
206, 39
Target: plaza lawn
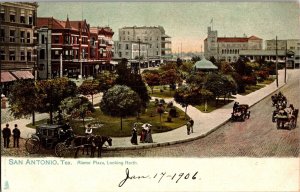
112, 125
162, 92
211, 105
251, 88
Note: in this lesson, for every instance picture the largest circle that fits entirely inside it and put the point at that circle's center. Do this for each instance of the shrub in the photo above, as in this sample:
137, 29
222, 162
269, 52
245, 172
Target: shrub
173, 112
169, 119
249, 80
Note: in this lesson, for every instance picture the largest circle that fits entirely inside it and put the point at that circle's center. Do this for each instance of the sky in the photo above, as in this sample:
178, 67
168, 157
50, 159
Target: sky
186, 22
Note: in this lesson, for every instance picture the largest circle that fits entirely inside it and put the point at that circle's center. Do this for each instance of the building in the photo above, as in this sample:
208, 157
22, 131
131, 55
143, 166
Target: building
288, 51
17, 40
228, 48
159, 48
74, 49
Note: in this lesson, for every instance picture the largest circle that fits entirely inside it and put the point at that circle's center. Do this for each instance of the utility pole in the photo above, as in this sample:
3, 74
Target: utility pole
285, 61
276, 64
47, 60
139, 55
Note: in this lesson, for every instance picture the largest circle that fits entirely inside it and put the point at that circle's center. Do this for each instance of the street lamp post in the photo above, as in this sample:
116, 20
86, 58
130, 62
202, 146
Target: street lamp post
276, 64
139, 55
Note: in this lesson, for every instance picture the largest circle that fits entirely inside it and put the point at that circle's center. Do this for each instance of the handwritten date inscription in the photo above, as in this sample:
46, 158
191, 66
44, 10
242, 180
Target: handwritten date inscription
176, 177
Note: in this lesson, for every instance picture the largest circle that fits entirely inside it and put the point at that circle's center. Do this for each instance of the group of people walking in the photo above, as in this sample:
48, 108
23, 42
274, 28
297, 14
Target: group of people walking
6, 133
145, 136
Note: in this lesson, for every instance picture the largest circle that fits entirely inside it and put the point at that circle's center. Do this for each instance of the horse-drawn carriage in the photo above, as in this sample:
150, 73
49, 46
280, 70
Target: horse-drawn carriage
285, 121
279, 100
63, 141
47, 136
240, 112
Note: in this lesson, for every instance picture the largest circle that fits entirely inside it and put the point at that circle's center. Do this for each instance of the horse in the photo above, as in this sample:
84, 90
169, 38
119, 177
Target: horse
83, 142
99, 142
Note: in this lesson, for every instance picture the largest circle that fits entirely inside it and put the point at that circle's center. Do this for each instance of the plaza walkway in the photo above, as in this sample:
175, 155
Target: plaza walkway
205, 123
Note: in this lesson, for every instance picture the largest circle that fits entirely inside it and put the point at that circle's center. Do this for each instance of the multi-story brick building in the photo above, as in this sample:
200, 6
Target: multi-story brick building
17, 40
228, 48
82, 48
159, 43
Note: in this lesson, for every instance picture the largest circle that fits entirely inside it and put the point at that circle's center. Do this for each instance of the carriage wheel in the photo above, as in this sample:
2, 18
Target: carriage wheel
32, 145
60, 149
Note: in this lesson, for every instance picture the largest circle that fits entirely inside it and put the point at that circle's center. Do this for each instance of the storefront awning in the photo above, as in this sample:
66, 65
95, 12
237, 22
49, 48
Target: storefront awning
7, 77
23, 74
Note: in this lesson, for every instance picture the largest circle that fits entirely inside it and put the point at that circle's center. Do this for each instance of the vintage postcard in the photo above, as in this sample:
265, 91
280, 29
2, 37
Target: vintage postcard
150, 96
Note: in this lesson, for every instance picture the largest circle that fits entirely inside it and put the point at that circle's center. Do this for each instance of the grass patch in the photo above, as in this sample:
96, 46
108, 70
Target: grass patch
211, 105
112, 125
40, 122
162, 92
268, 81
251, 88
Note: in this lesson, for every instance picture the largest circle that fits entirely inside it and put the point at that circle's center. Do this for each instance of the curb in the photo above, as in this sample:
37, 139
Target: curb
148, 146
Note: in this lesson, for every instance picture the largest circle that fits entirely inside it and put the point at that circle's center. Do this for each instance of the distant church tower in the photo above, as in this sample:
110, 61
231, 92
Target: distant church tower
211, 44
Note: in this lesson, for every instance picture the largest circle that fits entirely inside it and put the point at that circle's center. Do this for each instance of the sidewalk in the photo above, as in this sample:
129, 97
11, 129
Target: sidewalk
204, 123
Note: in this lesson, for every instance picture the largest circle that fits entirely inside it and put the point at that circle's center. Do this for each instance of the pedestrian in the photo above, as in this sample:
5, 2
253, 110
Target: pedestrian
134, 135
188, 127
6, 132
148, 135
88, 132
16, 133
192, 124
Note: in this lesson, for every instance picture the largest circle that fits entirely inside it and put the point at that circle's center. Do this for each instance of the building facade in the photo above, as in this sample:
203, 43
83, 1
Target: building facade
17, 40
228, 48
74, 49
159, 43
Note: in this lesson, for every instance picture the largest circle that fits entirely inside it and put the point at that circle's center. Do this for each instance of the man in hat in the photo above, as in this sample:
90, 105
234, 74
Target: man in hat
16, 133
6, 132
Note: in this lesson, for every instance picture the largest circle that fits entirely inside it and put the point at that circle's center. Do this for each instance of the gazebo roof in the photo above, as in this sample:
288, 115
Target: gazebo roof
205, 64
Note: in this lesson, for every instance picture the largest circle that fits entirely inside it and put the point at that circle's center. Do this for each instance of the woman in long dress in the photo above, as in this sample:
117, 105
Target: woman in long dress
134, 135
149, 136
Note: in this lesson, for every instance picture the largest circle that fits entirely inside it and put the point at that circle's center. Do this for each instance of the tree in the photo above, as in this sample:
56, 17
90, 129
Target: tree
51, 92
77, 107
120, 100
22, 98
187, 95
152, 79
179, 62
170, 77
160, 110
216, 84
134, 81
89, 87
196, 79
106, 80
196, 58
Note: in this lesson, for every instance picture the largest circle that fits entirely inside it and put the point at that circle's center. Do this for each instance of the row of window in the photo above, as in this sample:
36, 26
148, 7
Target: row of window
230, 51
13, 36
12, 56
13, 18
127, 54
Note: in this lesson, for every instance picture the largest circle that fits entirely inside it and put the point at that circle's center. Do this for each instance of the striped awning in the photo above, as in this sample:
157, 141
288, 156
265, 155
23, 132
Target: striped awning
23, 74
7, 77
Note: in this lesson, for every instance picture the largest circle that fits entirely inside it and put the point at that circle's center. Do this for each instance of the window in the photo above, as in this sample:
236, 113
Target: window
127, 46
22, 36
2, 55
30, 20
28, 56
156, 52
2, 35
43, 39
56, 39
12, 36
12, 56
120, 54
42, 54
123, 32
126, 53
12, 18
120, 46
22, 56
2, 16
41, 67
28, 37
22, 19
150, 46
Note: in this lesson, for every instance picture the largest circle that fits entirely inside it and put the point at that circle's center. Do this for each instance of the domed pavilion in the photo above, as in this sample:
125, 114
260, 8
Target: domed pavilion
205, 66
